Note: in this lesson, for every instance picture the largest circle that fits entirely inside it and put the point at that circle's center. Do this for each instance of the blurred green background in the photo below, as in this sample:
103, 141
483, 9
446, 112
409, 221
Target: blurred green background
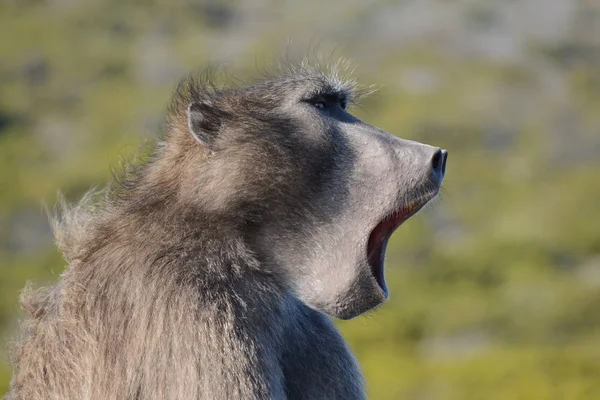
495, 289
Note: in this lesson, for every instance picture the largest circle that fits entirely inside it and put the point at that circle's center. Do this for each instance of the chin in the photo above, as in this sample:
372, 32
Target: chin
362, 295
355, 309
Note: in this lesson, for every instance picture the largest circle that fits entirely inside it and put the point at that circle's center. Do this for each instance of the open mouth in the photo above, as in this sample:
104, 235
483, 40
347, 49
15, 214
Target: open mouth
381, 234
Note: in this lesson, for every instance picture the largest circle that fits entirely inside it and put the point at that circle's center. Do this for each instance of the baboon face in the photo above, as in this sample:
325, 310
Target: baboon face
317, 191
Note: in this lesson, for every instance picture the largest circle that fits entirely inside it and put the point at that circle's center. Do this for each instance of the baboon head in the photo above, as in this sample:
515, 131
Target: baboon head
315, 192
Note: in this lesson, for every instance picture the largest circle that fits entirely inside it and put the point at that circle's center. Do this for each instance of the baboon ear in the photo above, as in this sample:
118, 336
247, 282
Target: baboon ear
203, 122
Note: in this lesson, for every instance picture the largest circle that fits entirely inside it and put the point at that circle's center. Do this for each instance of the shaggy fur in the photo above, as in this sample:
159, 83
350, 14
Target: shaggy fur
204, 273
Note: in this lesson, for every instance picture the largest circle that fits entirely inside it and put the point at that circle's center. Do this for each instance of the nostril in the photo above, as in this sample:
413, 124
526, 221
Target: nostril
437, 161
445, 154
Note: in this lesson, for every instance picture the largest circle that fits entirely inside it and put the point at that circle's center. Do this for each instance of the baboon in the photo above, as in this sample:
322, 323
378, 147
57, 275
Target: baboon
212, 269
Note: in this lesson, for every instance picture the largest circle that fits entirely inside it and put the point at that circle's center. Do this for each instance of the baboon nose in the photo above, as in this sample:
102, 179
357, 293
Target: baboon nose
438, 165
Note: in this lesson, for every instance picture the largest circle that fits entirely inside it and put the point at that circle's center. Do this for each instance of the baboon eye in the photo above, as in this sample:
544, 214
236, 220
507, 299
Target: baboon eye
320, 104
323, 103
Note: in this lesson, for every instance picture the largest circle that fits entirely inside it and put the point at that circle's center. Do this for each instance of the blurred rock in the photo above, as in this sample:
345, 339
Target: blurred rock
420, 81
498, 137
156, 65
36, 70
589, 272
8, 120
449, 232
58, 136
216, 14
29, 231
448, 348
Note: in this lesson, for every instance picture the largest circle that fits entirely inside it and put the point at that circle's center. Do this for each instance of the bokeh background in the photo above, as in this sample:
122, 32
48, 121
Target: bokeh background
495, 290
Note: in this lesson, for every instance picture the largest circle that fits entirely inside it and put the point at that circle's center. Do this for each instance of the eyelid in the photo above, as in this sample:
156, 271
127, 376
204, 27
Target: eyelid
315, 100
319, 99
323, 101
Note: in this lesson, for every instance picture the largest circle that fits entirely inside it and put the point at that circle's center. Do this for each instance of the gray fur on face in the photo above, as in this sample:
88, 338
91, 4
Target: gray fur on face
210, 270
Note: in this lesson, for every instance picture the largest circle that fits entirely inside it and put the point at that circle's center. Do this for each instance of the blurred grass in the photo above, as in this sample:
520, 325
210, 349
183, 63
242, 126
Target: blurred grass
494, 289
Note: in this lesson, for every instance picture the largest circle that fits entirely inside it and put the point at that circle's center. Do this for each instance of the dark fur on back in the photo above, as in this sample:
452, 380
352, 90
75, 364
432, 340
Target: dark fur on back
167, 294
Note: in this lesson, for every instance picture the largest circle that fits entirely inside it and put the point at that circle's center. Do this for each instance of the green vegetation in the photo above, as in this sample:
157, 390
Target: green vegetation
495, 289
